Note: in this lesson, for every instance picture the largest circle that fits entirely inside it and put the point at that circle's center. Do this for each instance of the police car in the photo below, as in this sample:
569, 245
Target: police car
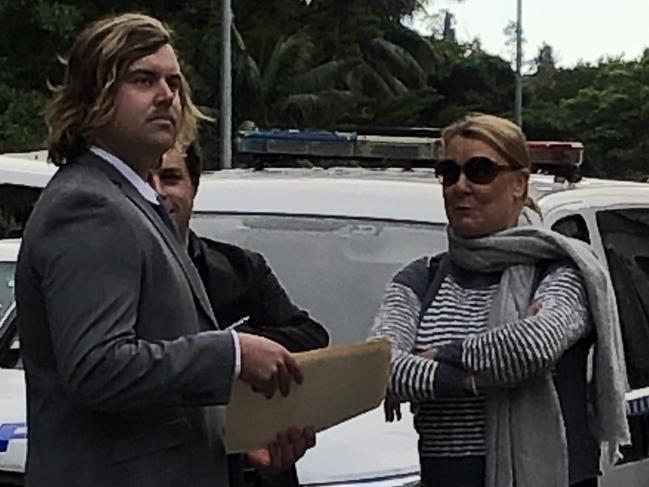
335, 237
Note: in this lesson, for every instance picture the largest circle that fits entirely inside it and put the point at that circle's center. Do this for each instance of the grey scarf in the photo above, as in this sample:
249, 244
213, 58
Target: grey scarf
525, 435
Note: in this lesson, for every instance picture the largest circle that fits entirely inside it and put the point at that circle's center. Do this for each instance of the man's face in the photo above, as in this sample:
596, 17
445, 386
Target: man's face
172, 182
147, 109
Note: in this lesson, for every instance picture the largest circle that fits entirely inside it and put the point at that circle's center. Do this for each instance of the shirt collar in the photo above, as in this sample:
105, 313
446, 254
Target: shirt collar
142, 187
194, 247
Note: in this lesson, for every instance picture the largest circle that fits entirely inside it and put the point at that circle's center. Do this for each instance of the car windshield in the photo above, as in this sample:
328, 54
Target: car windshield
7, 270
336, 268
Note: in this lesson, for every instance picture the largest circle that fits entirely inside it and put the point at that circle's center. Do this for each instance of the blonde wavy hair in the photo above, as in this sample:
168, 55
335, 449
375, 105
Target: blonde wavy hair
99, 59
503, 135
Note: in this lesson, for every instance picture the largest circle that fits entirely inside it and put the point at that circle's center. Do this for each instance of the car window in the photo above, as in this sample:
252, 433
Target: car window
9, 343
7, 270
16, 203
573, 226
625, 237
336, 268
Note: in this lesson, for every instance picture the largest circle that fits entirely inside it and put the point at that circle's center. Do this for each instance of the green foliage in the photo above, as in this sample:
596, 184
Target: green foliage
60, 19
605, 106
332, 63
21, 120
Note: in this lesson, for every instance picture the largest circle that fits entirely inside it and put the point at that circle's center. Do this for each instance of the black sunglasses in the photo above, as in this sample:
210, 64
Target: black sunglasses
478, 170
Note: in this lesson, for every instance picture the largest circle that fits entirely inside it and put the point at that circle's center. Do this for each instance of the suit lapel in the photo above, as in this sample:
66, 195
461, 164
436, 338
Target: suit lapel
179, 252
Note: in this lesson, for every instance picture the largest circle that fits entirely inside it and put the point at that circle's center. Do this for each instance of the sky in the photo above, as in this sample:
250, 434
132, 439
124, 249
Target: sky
578, 30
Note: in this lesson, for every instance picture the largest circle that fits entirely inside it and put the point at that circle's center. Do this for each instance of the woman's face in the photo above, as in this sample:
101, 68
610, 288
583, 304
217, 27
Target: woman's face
476, 210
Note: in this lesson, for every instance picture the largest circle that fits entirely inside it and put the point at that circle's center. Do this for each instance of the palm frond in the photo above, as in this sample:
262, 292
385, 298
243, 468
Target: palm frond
326, 76
396, 85
400, 63
246, 74
419, 47
315, 109
290, 56
238, 38
248, 92
365, 80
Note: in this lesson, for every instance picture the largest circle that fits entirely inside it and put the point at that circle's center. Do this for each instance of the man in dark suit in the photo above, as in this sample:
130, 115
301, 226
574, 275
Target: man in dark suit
243, 290
124, 361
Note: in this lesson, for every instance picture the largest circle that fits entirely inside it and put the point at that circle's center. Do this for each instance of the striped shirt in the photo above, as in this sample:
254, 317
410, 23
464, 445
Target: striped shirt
449, 420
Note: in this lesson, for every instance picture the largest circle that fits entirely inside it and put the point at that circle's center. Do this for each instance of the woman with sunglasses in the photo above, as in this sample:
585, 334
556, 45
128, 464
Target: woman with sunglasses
491, 339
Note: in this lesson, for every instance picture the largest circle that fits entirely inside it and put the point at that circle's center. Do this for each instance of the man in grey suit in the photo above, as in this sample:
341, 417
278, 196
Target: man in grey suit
124, 362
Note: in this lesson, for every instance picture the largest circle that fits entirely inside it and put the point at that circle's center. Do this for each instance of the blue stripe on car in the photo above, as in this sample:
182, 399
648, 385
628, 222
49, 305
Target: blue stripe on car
11, 431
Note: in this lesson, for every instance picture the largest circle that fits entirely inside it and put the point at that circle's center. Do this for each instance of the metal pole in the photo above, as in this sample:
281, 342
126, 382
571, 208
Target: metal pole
519, 62
226, 86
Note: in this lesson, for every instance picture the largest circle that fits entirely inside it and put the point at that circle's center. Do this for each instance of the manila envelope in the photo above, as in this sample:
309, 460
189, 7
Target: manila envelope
339, 383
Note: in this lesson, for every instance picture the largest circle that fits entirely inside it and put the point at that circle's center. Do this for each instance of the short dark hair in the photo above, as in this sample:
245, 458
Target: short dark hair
194, 164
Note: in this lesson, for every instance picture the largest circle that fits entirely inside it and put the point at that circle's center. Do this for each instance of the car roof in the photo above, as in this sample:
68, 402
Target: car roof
341, 192
363, 193
598, 197
544, 184
9, 249
334, 192
20, 170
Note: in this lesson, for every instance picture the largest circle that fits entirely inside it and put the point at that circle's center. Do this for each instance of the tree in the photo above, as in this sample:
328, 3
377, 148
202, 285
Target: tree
336, 62
545, 63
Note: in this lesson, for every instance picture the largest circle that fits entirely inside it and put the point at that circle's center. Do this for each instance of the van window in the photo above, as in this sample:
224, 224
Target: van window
16, 203
625, 237
9, 343
7, 283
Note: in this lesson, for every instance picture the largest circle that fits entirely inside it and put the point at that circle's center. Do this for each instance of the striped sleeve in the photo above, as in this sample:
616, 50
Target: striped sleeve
413, 378
520, 349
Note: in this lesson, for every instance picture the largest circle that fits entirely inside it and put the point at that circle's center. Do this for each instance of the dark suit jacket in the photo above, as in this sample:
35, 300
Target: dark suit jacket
121, 350
241, 286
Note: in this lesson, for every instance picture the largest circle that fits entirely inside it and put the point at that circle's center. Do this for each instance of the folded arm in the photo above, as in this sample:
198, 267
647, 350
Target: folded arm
522, 348
413, 378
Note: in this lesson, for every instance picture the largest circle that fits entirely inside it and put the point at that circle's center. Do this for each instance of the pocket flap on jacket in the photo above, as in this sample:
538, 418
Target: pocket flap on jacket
160, 437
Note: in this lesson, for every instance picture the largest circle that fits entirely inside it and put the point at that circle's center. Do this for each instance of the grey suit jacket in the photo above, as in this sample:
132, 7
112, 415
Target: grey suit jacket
122, 355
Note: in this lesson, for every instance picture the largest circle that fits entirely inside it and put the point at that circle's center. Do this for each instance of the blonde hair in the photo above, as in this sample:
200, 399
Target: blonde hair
99, 59
503, 135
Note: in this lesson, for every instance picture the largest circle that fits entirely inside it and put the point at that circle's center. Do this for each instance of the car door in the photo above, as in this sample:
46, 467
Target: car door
621, 236
13, 442
9, 345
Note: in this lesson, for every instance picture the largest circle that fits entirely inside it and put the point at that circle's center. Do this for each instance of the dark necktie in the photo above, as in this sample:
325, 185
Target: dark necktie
161, 210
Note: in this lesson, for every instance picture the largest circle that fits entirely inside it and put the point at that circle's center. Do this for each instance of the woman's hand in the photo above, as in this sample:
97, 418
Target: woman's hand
430, 353
391, 408
534, 308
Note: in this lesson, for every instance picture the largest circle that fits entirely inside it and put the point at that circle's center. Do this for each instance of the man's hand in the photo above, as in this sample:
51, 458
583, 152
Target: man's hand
267, 366
282, 453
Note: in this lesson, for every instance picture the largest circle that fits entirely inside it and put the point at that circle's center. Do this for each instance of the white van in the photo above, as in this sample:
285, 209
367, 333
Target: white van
21, 177
334, 237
